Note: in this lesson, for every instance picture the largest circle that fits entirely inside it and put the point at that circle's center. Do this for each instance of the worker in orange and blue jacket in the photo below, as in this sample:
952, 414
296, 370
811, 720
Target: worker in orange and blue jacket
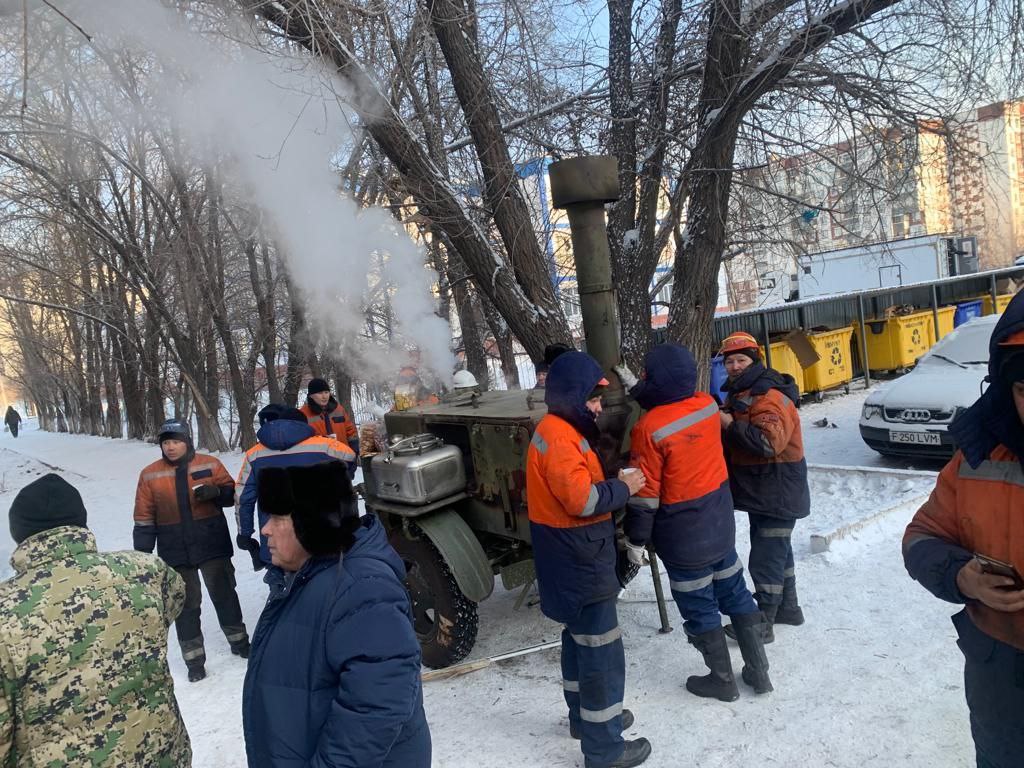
686, 511
328, 418
767, 474
285, 440
570, 504
977, 508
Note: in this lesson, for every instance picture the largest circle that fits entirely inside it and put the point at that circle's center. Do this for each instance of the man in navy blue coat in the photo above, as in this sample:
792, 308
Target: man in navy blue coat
334, 671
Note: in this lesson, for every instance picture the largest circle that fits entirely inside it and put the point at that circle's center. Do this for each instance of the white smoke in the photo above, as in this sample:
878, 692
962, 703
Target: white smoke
281, 122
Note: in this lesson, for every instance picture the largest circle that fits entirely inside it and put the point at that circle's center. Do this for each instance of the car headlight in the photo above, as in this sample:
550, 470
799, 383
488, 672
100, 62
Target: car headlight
870, 411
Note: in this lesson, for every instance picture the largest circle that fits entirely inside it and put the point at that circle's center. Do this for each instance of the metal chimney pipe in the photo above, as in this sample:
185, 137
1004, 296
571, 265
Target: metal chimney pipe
582, 186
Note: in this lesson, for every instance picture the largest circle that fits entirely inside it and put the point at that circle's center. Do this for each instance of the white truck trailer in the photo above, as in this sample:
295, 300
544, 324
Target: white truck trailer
883, 265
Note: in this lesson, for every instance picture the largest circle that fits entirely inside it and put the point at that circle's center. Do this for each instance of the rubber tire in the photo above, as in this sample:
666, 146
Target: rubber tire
431, 585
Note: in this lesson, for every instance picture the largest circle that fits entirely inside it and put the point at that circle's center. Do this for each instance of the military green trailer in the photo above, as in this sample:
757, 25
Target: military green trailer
451, 486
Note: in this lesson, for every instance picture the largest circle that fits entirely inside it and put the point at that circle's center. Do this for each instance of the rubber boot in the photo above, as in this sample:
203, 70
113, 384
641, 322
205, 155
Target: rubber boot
770, 612
750, 632
790, 611
636, 752
196, 672
720, 683
241, 648
627, 721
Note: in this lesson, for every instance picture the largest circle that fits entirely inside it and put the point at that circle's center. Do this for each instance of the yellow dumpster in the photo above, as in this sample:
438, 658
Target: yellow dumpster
945, 323
834, 366
784, 360
1001, 301
898, 341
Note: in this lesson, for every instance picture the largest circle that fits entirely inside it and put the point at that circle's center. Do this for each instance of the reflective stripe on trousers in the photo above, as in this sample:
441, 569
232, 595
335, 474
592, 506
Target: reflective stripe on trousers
771, 556
703, 595
593, 679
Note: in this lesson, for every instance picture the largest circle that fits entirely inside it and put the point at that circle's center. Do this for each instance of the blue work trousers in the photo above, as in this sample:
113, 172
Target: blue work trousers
594, 679
771, 557
704, 594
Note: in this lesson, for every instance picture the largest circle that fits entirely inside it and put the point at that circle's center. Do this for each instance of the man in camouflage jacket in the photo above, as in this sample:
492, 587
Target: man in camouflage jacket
83, 645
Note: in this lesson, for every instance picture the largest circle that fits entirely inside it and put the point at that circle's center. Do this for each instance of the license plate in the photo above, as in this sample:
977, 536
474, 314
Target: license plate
919, 438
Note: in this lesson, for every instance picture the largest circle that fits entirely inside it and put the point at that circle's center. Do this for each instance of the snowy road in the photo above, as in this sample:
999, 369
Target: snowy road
873, 678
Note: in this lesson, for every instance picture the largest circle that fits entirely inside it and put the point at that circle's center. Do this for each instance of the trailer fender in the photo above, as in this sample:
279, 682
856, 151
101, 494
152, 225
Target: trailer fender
461, 551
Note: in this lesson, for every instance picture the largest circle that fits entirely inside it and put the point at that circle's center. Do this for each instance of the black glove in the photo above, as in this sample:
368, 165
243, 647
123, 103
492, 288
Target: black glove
206, 492
253, 548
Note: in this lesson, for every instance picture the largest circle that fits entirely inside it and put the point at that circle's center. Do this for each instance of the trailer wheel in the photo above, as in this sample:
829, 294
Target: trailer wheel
445, 620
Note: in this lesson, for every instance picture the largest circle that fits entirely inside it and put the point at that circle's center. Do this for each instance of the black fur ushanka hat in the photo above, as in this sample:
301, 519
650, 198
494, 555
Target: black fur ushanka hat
319, 499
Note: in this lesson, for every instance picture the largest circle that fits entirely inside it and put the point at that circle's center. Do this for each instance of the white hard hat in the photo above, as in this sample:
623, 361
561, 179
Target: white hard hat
464, 380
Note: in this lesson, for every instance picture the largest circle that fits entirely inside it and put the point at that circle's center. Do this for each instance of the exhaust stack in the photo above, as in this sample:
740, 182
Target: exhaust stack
582, 186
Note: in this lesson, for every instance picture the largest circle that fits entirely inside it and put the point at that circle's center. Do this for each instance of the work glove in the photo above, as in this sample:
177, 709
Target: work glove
628, 378
635, 553
206, 492
627, 566
253, 548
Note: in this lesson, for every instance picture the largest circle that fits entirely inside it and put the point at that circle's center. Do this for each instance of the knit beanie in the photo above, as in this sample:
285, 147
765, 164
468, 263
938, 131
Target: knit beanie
317, 385
49, 502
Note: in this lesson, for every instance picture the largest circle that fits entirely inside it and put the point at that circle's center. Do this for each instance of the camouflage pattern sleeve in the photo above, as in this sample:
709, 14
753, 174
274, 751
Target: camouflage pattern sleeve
174, 593
7, 756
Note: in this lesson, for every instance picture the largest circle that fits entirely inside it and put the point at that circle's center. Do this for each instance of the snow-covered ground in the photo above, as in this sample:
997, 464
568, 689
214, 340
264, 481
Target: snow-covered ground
873, 677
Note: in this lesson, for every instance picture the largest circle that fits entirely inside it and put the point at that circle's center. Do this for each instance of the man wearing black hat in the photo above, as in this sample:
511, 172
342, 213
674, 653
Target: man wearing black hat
179, 511
328, 417
77, 625
285, 439
334, 677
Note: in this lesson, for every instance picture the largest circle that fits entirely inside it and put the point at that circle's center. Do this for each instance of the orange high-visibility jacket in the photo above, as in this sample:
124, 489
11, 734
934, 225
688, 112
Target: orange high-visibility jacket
685, 508
971, 511
341, 426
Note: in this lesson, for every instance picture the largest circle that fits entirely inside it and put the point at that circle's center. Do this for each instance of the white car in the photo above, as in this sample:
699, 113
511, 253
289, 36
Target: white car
910, 416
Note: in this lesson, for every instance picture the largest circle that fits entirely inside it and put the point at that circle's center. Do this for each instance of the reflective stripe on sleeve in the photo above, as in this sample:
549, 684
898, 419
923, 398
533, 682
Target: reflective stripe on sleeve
572, 686
768, 589
591, 506
686, 421
584, 444
539, 443
642, 502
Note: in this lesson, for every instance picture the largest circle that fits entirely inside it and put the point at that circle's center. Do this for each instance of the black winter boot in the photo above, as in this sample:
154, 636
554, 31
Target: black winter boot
720, 683
627, 721
635, 753
790, 612
770, 612
196, 672
750, 633
241, 648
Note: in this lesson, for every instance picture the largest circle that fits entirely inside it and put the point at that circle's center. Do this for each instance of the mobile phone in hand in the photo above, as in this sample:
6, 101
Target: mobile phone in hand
999, 568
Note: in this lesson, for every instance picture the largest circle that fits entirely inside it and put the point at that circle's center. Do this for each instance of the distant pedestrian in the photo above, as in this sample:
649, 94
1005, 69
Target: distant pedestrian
84, 681
178, 510
686, 511
767, 473
570, 505
13, 420
286, 439
977, 511
328, 418
334, 676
